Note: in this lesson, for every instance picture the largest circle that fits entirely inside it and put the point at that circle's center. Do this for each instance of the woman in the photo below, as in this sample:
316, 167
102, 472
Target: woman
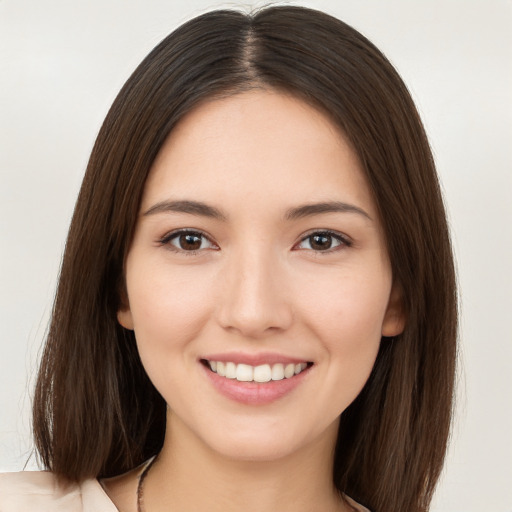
257, 300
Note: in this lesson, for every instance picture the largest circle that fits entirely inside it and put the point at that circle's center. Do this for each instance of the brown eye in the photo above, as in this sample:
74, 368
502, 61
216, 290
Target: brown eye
323, 241
188, 241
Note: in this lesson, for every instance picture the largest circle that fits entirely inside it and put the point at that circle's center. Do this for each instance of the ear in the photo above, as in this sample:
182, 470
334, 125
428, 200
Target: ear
124, 317
394, 319
124, 313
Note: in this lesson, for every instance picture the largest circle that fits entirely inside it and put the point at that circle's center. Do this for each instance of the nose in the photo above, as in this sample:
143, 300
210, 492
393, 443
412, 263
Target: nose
254, 299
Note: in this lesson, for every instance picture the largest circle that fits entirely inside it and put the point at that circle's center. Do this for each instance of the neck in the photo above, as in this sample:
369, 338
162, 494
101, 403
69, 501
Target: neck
189, 475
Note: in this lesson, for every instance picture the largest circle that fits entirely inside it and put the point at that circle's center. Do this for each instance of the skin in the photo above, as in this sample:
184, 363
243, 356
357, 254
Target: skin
257, 283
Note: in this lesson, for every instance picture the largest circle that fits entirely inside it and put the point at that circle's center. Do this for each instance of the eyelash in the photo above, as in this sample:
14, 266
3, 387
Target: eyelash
166, 240
343, 240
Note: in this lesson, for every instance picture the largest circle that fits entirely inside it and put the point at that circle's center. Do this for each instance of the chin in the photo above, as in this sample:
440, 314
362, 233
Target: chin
267, 444
260, 450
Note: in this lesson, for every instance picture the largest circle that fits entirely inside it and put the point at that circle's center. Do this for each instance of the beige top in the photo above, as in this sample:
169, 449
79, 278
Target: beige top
38, 491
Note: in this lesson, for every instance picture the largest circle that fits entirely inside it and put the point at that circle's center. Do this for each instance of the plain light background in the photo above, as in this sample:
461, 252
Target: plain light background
62, 63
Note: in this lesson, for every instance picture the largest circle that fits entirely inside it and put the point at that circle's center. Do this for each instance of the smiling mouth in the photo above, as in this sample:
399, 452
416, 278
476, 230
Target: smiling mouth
261, 373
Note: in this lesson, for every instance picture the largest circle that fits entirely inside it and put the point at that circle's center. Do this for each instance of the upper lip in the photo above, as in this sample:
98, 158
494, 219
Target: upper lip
254, 359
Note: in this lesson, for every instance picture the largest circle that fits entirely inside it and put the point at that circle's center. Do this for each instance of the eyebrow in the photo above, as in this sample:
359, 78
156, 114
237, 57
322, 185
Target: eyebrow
327, 207
191, 207
299, 212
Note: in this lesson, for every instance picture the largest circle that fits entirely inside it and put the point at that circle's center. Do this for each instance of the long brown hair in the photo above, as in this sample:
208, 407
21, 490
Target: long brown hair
96, 413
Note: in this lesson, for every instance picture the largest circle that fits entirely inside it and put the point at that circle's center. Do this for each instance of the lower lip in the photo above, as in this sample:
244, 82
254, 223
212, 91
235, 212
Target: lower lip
254, 393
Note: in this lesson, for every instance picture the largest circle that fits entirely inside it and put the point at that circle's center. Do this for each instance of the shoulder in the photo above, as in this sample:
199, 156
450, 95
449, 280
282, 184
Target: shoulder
41, 491
37, 490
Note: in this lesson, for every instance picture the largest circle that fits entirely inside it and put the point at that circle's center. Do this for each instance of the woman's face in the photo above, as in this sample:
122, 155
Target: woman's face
258, 252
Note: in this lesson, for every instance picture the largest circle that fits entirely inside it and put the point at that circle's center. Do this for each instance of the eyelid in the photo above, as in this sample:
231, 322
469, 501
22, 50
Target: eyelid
166, 239
344, 240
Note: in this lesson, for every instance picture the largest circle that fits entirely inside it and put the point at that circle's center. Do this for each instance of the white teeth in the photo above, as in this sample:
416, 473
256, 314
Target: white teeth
221, 369
289, 370
278, 372
244, 373
231, 370
261, 373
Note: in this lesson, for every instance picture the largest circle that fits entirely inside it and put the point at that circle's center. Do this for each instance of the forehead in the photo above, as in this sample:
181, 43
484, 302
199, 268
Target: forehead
266, 145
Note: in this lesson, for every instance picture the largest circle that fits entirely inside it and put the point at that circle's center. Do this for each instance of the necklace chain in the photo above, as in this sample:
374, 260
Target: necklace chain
140, 486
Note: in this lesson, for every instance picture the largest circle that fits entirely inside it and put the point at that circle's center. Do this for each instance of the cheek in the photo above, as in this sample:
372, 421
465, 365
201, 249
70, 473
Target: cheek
350, 304
347, 318
168, 306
